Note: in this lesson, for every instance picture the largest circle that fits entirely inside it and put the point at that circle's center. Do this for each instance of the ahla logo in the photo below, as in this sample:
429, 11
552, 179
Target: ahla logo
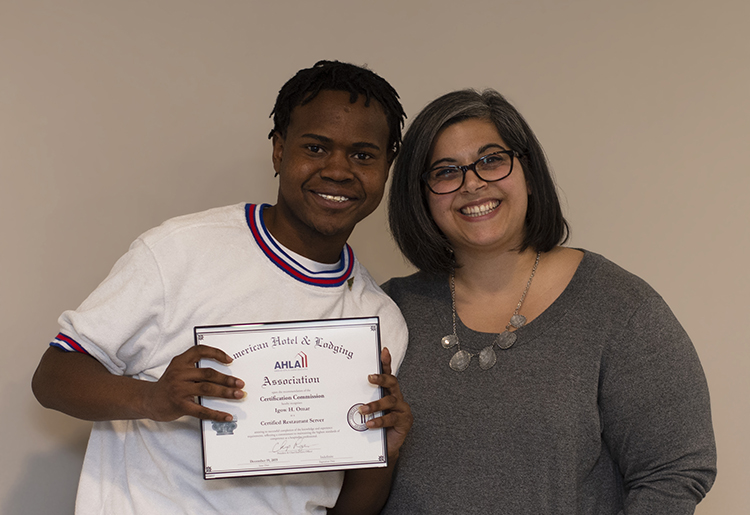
300, 361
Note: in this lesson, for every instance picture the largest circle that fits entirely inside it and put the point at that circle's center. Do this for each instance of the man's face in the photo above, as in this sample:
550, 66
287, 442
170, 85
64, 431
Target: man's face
332, 164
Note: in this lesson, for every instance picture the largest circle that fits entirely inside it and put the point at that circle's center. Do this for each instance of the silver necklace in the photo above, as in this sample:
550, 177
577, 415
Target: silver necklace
505, 340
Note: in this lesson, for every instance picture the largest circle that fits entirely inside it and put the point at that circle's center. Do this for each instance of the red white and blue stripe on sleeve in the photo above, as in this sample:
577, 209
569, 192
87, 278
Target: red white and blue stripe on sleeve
272, 250
67, 344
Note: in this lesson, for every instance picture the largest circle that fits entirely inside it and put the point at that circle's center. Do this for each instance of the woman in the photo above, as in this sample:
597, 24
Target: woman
542, 379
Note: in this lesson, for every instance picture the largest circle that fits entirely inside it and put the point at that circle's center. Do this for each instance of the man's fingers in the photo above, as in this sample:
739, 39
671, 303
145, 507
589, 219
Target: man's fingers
210, 375
194, 409
207, 382
400, 421
394, 400
387, 420
385, 359
387, 381
198, 352
192, 380
389, 402
175, 392
213, 390
209, 414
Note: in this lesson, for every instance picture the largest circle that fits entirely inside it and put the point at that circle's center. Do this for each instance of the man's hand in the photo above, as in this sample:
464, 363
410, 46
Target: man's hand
173, 395
397, 417
77, 384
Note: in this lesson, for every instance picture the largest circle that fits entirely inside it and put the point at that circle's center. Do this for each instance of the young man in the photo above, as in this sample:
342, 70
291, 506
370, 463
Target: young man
125, 358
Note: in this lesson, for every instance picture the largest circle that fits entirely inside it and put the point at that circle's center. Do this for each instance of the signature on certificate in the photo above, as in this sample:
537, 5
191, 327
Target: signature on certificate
293, 446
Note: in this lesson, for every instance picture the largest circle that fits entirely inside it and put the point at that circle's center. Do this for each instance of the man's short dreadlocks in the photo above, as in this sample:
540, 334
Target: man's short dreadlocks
338, 76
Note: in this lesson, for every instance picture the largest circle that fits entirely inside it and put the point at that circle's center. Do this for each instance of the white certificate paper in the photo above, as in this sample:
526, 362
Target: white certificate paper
304, 382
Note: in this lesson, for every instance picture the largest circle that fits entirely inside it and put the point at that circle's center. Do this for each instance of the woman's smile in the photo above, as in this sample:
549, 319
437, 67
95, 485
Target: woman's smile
480, 210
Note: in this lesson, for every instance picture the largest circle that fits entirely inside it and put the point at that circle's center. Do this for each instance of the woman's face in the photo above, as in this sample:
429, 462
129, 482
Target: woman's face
480, 216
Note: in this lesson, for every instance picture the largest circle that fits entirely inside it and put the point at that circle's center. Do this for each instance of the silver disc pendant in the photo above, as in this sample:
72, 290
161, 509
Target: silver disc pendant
460, 361
487, 358
449, 341
506, 339
517, 321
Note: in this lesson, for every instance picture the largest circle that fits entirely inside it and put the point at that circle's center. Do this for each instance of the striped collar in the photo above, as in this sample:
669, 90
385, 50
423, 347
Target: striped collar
279, 257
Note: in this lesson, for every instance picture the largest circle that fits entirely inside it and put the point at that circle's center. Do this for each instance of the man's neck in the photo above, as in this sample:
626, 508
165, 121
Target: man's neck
301, 240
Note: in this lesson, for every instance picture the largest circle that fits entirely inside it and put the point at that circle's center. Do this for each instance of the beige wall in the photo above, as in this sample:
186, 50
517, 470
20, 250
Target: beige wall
117, 115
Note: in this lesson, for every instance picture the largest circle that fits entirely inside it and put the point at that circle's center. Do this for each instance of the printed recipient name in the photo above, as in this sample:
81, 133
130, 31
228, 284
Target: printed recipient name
290, 380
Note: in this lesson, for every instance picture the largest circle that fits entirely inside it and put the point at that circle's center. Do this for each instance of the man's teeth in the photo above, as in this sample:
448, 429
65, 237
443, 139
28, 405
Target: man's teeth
480, 210
334, 198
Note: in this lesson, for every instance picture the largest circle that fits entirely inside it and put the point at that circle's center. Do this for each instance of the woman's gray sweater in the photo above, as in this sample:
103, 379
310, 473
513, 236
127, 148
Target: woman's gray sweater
601, 406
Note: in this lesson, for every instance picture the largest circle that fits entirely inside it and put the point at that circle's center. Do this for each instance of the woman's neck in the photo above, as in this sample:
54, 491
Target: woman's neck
488, 288
487, 273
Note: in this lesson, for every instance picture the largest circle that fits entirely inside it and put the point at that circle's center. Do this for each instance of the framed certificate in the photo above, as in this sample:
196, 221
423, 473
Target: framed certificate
304, 383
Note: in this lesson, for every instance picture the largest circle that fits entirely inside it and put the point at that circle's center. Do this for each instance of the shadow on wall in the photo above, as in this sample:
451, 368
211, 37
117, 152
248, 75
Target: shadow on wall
48, 480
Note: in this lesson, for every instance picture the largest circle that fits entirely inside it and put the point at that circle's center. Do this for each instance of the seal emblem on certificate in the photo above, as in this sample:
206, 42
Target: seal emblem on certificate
304, 381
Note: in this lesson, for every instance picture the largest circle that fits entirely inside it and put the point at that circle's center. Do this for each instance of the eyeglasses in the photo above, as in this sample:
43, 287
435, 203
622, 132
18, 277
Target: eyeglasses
490, 168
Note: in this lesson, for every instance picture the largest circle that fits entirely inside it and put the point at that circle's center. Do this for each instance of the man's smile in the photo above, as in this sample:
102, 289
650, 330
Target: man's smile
334, 198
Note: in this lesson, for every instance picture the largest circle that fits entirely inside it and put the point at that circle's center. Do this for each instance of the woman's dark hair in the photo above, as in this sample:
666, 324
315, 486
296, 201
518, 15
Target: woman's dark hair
338, 76
409, 217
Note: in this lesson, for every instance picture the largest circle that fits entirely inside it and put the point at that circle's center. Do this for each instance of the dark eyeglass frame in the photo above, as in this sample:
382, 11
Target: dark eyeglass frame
473, 168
